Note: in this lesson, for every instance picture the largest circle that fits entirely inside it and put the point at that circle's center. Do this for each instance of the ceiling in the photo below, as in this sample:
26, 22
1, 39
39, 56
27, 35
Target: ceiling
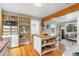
29, 8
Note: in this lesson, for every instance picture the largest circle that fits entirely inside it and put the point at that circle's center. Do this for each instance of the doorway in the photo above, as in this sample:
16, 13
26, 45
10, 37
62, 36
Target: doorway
68, 35
63, 34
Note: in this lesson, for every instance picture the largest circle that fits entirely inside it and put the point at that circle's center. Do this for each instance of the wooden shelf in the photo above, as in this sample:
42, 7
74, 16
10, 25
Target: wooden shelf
24, 28
46, 38
10, 24
49, 43
48, 50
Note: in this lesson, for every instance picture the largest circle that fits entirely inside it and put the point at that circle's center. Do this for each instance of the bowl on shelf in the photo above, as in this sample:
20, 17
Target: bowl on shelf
44, 41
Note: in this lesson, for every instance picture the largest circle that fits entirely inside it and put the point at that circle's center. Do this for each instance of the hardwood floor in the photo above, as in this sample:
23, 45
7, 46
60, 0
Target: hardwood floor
27, 50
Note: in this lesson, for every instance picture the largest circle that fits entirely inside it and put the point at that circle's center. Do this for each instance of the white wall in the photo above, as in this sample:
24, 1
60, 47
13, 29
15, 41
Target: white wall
77, 47
72, 15
78, 31
68, 17
65, 18
35, 26
0, 7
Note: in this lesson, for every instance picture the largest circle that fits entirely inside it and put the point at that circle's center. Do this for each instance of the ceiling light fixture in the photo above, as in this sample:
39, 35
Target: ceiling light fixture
38, 4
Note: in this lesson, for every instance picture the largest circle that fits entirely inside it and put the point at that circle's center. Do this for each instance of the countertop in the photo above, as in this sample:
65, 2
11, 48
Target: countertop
45, 36
41, 36
2, 44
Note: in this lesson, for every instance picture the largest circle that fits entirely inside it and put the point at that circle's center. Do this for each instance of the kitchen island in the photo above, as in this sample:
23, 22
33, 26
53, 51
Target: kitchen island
44, 44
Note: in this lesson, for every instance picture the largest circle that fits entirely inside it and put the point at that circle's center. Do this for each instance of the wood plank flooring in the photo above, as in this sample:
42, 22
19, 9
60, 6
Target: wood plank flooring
27, 50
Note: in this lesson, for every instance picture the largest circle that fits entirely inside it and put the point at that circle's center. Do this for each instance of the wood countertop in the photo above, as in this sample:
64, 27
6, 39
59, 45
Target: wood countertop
44, 36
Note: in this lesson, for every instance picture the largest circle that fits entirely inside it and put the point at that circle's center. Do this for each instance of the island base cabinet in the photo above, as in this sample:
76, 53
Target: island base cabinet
37, 45
44, 45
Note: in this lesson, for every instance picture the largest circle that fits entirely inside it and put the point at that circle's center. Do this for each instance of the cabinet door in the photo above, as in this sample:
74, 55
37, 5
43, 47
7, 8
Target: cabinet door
14, 41
37, 44
5, 51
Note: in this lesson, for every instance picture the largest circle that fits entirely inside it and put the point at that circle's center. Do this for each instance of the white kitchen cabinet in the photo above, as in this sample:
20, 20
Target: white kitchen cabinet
37, 44
45, 45
14, 41
5, 51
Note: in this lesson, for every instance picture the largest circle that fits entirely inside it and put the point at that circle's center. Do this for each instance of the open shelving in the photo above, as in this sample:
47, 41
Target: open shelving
48, 50
48, 44
24, 29
45, 45
15, 23
10, 25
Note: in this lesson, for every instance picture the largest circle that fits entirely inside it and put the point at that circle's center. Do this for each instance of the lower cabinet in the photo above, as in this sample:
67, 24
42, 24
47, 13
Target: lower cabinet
5, 51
